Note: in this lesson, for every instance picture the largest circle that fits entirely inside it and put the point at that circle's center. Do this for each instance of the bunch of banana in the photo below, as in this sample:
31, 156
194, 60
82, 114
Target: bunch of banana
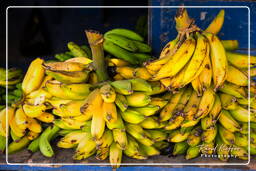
127, 45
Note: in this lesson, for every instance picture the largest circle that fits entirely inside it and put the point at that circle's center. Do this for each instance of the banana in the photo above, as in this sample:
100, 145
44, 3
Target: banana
154, 66
125, 71
168, 82
197, 86
151, 123
241, 60
252, 149
201, 53
240, 114
241, 139
76, 50
64, 66
157, 88
233, 90
109, 112
126, 33
118, 124
206, 103
226, 136
121, 41
133, 117
218, 59
157, 135
183, 100
205, 76
244, 127
93, 78
209, 134
46, 117
3, 121
115, 155
117, 62
69, 77
147, 110
133, 150
228, 122
33, 77
139, 84
98, 122
34, 125
120, 138
159, 102
142, 73
105, 141
161, 145
138, 99
192, 152
108, 93
14, 127
230, 44
189, 123
18, 145
32, 135
142, 47
65, 123
166, 112
14, 137
194, 137
252, 72
149, 150
142, 57
119, 52
192, 106
121, 102
169, 47
122, 86
237, 77
21, 119
34, 110
72, 108
179, 136
118, 77
177, 61
228, 102
180, 148
102, 154
71, 139
2, 143
239, 152
216, 25
222, 149
207, 122
81, 60
56, 102
85, 148
174, 122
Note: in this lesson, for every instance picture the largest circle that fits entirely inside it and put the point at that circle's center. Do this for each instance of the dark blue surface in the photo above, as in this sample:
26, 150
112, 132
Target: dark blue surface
162, 23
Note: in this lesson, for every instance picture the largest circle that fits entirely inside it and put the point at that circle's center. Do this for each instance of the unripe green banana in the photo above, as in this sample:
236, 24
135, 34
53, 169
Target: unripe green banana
222, 149
244, 127
122, 86
126, 33
180, 148
142, 57
121, 41
160, 145
192, 152
76, 50
2, 143
253, 149
150, 123
241, 139
18, 145
149, 150
121, 102
157, 134
142, 47
147, 110
139, 84
157, 88
228, 122
240, 114
34, 145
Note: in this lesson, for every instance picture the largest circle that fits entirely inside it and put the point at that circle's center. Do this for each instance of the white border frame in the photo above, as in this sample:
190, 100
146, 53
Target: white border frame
129, 164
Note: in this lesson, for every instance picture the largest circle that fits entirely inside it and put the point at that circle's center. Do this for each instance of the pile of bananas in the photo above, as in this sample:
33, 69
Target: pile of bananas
192, 100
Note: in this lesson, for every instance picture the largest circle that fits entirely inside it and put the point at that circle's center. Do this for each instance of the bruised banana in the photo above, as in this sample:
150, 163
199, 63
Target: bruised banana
109, 112
108, 93
228, 102
209, 134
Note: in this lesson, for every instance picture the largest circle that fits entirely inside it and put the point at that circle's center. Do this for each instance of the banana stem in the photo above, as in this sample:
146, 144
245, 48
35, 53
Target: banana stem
95, 40
183, 21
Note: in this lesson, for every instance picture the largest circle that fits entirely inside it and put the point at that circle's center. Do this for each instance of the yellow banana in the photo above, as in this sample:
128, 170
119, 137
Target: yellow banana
155, 101
126, 72
10, 112
240, 152
93, 78
46, 78
109, 112
237, 77
228, 102
71, 139
38, 97
102, 153
46, 117
241, 114
56, 102
218, 59
174, 122
32, 135
118, 77
131, 116
13, 125
120, 138
147, 110
105, 141
206, 103
197, 86
64, 66
34, 110
132, 150
192, 106
115, 155
230, 44
177, 61
157, 88
222, 149
214, 113
72, 108
240, 60
82, 60
33, 77
205, 76
108, 93
150, 123
166, 112
233, 90
217, 23
34, 125
201, 52
178, 135
21, 119
209, 134
228, 122
194, 137
117, 124
117, 62
139, 84
169, 48
138, 99
142, 73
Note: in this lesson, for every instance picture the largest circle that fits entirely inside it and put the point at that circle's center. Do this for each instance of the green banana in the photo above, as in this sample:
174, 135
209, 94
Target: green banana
126, 33
149, 150
2, 143
194, 137
209, 134
151, 123
120, 138
240, 114
122, 86
241, 139
226, 136
147, 110
160, 145
233, 90
132, 149
207, 148
142, 47
34, 145
228, 101
139, 84
18, 145
118, 124
132, 116
228, 122
138, 99
222, 149
157, 134
192, 152
180, 148
239, 152
76, 50
121, 102
179, 135
142, 57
